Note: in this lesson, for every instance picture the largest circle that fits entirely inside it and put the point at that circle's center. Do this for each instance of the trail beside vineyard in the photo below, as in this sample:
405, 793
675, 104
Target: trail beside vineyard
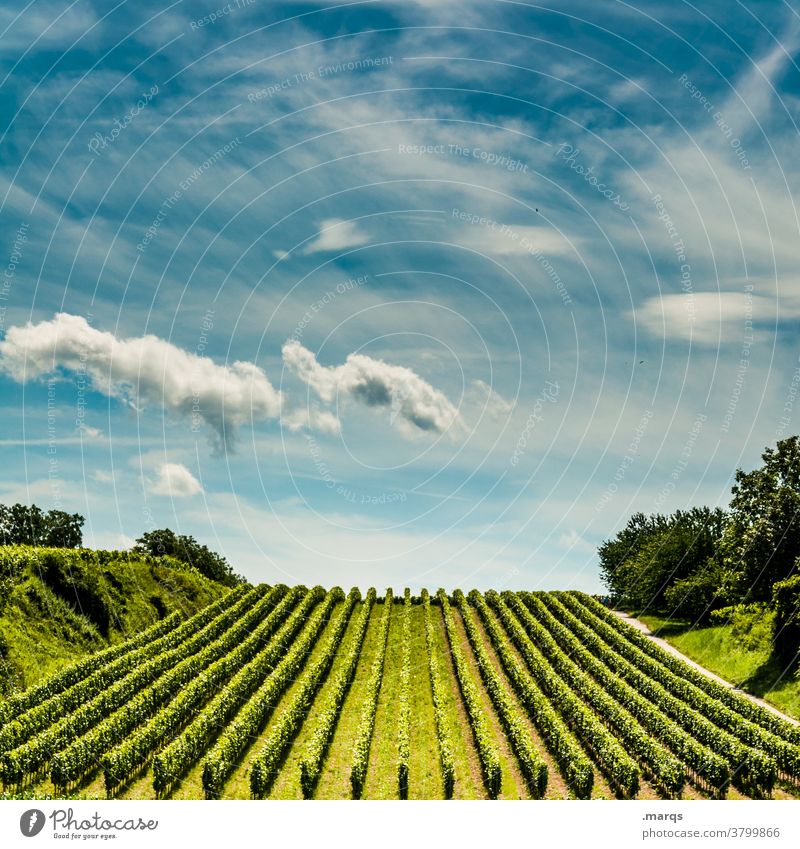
500, 695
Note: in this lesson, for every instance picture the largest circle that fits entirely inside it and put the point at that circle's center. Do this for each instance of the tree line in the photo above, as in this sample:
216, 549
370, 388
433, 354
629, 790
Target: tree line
694, 562
30, 525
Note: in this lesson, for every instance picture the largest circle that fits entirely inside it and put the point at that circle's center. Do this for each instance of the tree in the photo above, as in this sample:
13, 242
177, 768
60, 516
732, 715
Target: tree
786, 603
615, 553
187, 549
23, 525
762, 542
652, 553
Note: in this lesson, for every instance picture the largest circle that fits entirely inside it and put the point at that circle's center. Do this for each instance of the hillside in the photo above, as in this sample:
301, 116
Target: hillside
280, 693
57, 605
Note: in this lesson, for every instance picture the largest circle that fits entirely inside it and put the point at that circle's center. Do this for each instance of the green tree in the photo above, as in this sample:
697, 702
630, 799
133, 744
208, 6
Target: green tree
165, 542
23, 525
786, 603
652, 553
762, 541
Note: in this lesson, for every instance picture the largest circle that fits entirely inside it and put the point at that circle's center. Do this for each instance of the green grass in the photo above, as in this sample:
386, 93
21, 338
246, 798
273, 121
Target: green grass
750, 667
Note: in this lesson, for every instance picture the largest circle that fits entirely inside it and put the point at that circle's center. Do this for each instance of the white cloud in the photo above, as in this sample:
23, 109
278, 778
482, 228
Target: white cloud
408, 397
709, 318
102, 477
176, 481
514, 239
336, 234
312, 417
143, 370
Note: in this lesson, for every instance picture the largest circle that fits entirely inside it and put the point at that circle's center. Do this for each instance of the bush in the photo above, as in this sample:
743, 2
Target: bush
697, 596
166, 543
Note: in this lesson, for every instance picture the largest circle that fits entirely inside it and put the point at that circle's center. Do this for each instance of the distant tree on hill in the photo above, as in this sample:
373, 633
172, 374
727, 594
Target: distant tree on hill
23, 525
166, 542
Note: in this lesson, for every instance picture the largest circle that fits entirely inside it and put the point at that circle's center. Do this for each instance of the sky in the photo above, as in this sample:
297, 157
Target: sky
395, 293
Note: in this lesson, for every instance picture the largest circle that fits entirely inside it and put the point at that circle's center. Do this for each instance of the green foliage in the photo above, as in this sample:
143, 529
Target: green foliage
239, 734
210, 684
22, 525
214, 642
750, 710
487, 751
575, 766
59, 604
646, 559
327, 717
620, 768
268, 762
120, 763
534, 769
786, 602
404, 710
363, 741
166, 543
762, 542
575, 662
439, 702
698, 595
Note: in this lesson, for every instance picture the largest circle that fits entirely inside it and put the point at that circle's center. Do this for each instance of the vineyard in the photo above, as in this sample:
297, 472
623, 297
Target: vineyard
279, 692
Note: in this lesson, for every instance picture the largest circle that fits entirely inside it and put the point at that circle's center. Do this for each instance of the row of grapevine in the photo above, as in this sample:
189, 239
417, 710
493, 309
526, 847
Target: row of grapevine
120, 763
73, 762
752, 711
19, 703
404, 710
241, 733
327, 716
268, 761
534, 769
363, 741
438, 689
27, 760
617, 764
58, 704
575, 766
487, 752
638, 724
173, 761
749, 768
785, 754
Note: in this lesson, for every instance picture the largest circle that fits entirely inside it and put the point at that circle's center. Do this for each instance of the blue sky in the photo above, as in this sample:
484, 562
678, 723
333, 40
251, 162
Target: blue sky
395, 293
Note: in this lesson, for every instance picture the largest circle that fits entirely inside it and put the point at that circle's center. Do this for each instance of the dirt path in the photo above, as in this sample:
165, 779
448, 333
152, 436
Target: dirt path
659, 641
